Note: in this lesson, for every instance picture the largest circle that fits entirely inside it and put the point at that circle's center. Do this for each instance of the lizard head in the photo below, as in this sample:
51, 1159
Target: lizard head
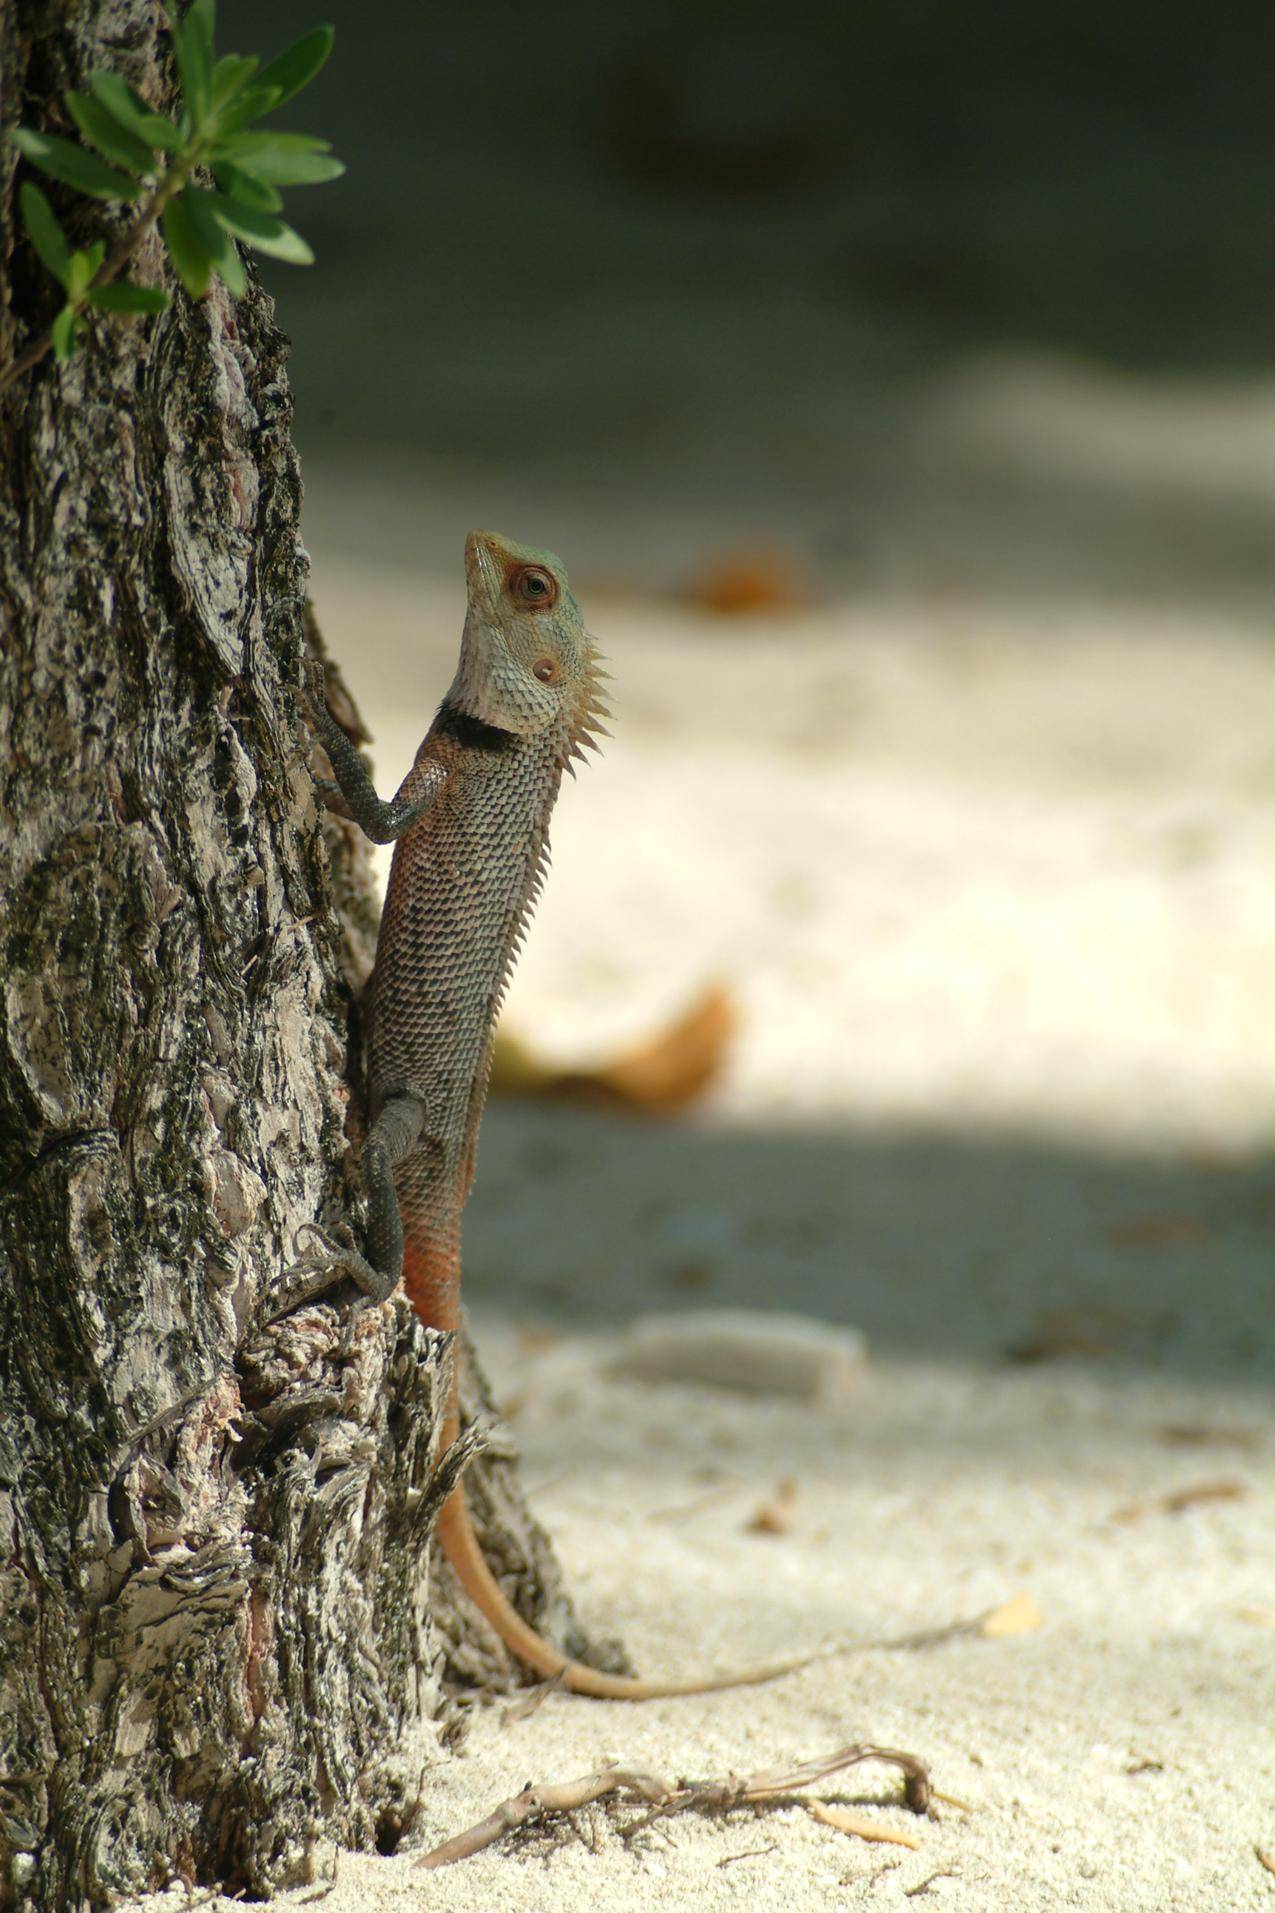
527, 664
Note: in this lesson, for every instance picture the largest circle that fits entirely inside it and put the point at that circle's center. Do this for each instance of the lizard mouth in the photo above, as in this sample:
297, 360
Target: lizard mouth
484, 559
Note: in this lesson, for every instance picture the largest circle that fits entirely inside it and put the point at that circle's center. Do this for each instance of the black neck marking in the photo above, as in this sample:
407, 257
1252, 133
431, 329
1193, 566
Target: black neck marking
471, 731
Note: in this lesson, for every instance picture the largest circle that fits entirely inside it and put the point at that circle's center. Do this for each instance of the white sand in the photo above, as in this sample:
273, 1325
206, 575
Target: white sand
995, 892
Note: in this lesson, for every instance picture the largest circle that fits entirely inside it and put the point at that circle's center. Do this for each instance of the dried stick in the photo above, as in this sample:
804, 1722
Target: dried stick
534, 1803
775, 1785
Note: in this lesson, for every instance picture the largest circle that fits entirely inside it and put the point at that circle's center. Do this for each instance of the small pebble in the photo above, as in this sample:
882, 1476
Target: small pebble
753, 1350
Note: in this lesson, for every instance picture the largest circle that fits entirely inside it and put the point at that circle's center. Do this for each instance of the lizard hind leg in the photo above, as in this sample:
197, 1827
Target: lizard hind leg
377, 1273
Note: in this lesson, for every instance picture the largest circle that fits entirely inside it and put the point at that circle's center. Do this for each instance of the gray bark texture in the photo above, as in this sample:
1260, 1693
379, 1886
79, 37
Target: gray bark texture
218, 1632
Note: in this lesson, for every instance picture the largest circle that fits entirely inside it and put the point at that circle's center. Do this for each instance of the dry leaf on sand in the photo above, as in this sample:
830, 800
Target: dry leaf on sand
859, 1823
1179, 1498
741, 582
1157, 1232
659, 1076
1018, 1615
775, 1514
1070, 1331
1191, 1434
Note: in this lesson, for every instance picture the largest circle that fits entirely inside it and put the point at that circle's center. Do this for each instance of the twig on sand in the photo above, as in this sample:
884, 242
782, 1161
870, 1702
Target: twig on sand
533, 1700
749, 1853
924, 1886
775, 1786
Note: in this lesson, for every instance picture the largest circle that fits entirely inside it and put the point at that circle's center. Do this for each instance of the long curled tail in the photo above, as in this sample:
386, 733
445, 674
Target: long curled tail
460, 1545
432, 1283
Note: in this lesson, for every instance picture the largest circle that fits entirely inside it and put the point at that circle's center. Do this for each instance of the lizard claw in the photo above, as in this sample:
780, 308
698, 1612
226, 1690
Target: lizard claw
335, 1243
320, 1268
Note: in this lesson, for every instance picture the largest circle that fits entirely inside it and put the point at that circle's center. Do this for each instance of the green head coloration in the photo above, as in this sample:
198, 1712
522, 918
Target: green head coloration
527, 664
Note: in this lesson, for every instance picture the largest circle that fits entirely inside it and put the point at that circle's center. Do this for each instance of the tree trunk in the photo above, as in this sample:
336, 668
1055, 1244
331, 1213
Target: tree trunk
215, 1623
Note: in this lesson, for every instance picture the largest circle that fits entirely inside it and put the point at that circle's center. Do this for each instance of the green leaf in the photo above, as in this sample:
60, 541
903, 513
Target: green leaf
193, 46
298, 169
298, 66
261, 230
44, 231
248, 145
63, 330
122, 297
73, 166
215, 239
101, 129
249, 106
79, 276
231, 75
81, 270
247, 190
132, 112
190, 262
282, 159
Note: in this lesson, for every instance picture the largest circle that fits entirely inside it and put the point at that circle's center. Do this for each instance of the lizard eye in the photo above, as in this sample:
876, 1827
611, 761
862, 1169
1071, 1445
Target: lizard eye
545, 669
534, 586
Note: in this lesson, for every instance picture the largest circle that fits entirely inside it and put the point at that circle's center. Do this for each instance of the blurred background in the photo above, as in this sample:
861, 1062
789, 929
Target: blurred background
896, 382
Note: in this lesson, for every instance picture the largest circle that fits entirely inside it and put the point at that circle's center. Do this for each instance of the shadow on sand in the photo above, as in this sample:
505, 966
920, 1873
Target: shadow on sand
982, 1248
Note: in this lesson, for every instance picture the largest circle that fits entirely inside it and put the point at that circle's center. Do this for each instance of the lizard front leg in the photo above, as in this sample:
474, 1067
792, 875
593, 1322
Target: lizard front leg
382, 822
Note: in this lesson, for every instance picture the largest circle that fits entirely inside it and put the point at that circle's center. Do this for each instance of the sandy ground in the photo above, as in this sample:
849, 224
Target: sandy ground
992, 888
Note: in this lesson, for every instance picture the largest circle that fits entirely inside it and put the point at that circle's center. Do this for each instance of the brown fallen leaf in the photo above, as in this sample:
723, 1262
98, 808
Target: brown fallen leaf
740, 582
1018, 1615
1189, 1434
1156, 1232
1179, 1498
775, 1515
659, 1076
1261, 1616
1070, 1331
1267, 1857
859, 1824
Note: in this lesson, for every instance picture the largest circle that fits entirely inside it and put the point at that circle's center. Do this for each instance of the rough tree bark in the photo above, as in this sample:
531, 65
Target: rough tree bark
217, 1631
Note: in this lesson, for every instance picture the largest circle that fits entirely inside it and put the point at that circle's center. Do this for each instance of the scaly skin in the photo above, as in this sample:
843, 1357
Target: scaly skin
471, 823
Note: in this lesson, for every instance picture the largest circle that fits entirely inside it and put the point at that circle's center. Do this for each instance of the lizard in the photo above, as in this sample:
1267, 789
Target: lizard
470, 825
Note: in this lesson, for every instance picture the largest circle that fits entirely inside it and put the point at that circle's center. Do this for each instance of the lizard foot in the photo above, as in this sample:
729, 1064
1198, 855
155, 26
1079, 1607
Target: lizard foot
333, 1259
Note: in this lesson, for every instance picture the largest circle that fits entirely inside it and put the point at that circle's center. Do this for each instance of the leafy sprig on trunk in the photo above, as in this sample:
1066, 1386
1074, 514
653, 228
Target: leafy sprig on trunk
134, 154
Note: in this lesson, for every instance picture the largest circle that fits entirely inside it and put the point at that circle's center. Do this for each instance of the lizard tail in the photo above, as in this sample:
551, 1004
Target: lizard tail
460, 1545
431, 1277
